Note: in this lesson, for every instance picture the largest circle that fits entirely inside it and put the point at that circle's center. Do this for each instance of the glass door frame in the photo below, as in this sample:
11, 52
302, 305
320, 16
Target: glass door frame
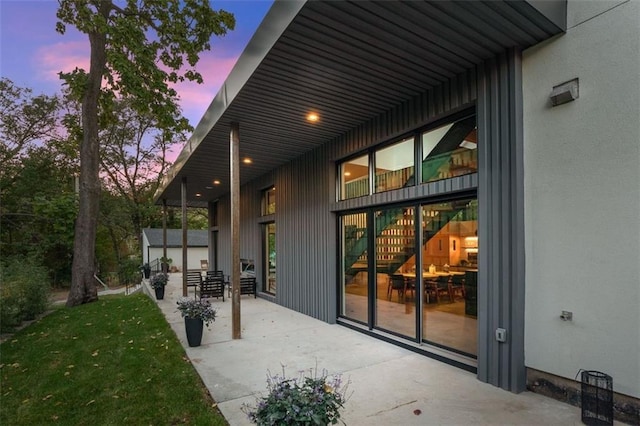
266, 270
417, 206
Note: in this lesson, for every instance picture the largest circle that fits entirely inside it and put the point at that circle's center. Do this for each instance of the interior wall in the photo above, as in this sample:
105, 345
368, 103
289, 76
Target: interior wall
582, 197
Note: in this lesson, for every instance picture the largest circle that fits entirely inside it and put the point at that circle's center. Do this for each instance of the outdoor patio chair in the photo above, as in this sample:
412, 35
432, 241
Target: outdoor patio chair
248, 286
212, 286
194, 278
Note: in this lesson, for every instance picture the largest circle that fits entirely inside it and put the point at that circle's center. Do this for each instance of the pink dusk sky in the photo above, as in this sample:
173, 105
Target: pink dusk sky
32, 53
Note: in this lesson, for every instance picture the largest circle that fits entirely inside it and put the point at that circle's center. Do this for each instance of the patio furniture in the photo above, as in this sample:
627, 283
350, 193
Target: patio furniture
248, 286
194, 279
212, 286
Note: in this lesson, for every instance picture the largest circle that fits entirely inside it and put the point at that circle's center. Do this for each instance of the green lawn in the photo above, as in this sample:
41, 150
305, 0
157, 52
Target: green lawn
112, 362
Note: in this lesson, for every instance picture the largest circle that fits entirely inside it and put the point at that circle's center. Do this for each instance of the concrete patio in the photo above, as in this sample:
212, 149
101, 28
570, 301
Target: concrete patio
388, 385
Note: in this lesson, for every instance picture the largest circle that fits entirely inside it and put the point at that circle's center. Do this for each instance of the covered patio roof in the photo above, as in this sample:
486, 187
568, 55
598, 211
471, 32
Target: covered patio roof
347, 62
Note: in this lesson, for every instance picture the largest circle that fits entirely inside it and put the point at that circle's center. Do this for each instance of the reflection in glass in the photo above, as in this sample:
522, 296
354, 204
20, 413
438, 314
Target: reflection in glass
269, 201
450, 150
394, 166
395, 271
450, 269
270, 258
354, 178
355, 282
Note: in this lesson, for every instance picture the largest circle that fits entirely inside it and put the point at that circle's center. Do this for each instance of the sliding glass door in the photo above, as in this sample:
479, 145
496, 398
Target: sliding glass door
270, 257
420, 281
450, 267
395, 307
355, 277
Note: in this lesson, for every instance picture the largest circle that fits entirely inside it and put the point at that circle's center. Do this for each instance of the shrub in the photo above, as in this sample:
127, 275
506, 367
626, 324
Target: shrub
24, 291
305, 400
129, 271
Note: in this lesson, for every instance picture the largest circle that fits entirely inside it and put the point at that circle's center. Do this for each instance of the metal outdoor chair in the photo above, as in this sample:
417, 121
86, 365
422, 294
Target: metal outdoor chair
212, 286
194, 279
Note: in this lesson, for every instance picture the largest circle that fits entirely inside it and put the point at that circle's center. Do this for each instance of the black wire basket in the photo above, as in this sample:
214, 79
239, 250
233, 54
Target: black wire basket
597, 398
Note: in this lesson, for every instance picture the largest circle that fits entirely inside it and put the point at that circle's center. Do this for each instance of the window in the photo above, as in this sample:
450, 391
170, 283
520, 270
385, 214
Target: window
394, 166
354, 178
450, 150
269, 201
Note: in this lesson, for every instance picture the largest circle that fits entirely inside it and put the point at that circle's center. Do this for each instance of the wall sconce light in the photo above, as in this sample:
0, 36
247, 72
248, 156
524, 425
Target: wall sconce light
565, 92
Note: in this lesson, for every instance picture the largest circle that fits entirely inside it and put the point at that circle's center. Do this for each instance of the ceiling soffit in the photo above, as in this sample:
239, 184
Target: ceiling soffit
347, 61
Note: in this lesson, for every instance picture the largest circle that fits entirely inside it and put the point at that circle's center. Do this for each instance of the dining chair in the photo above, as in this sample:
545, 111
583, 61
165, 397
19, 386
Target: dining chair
444, 288
409, 286
457, 285
430, 290
396, 282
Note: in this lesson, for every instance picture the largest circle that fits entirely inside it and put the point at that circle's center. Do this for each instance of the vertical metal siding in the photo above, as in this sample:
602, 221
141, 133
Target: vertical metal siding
305, 199
501, 222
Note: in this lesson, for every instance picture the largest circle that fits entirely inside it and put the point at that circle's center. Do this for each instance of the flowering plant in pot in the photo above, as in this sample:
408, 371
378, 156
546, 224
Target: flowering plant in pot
158, 282
196, 313
309, 399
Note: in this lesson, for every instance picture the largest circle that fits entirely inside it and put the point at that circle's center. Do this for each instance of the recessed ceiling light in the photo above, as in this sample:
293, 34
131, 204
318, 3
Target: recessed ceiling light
347, 173
198, 194
247, 160
216, 182
313, 117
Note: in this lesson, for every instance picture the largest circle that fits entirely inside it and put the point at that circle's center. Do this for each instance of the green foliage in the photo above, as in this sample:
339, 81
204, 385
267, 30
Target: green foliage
113, 362
24, 291
196, 219
305, 400
24, 119
148, 46
36, 180
137, 50
129, 272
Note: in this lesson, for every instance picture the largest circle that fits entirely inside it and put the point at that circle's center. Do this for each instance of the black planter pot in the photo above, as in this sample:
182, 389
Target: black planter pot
193, 327
159, 292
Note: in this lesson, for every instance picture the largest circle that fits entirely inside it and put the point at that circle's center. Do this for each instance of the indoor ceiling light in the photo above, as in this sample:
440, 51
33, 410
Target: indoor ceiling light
247, 160
313, 117
216, 182
198, 194
347, 173
468, 144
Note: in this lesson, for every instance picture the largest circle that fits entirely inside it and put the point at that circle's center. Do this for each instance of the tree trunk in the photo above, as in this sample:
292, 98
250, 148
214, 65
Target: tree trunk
83, 285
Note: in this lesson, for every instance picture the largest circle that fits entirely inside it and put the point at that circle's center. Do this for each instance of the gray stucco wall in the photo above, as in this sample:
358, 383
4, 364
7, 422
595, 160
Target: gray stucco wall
582, 188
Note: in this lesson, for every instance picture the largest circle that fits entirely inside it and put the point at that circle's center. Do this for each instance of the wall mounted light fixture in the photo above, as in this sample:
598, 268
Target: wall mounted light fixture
565, 92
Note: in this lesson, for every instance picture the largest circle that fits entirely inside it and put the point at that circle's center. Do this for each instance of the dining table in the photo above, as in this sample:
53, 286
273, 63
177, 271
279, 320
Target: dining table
432, 275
